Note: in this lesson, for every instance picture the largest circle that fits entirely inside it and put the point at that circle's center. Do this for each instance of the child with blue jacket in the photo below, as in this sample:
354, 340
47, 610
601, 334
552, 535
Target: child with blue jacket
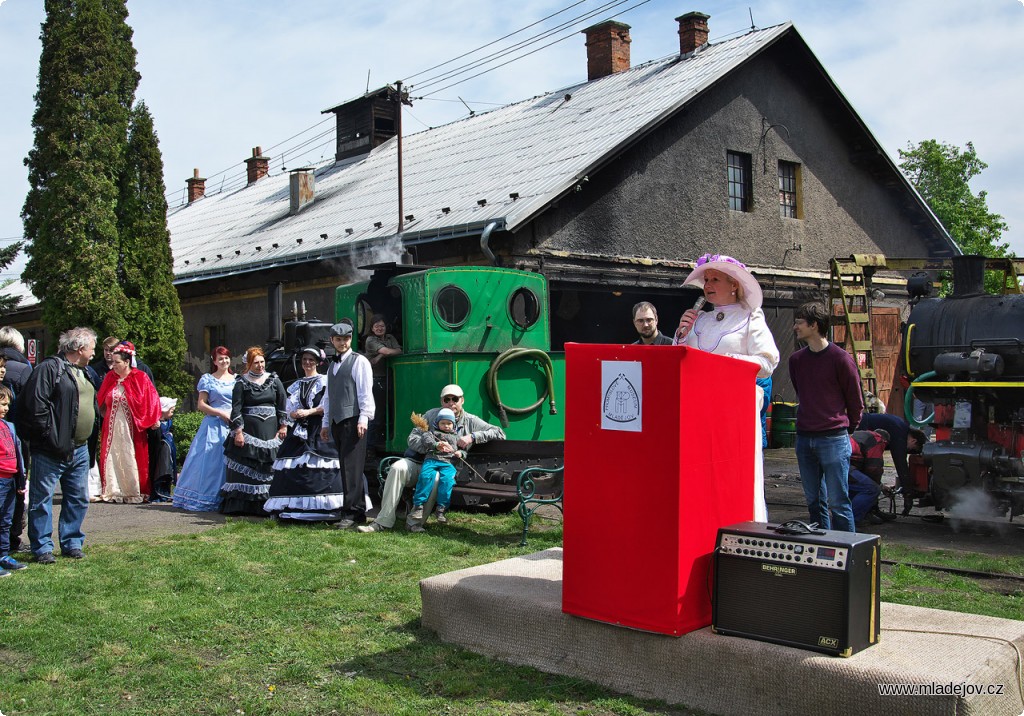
12, 482
444, 448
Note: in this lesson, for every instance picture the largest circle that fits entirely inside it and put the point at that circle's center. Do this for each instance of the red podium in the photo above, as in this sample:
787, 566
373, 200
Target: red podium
659, 453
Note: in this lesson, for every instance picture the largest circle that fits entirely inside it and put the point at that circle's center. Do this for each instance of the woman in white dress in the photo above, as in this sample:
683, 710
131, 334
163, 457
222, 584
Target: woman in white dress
735, 328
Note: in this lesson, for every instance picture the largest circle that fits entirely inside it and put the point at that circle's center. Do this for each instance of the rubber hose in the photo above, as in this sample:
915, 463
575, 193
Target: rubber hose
516, 354
908, 402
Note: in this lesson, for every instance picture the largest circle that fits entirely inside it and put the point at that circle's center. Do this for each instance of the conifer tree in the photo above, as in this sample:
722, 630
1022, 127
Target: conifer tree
87, 82
7, 256
144, 265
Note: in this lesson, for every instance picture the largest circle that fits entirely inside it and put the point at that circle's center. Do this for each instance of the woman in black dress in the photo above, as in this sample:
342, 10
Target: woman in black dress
258, 425
307, 474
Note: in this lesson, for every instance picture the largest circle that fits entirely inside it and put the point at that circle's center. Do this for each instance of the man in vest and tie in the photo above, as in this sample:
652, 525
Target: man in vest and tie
348, 408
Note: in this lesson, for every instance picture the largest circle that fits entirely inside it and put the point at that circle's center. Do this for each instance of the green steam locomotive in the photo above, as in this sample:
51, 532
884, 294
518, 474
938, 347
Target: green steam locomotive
485, 328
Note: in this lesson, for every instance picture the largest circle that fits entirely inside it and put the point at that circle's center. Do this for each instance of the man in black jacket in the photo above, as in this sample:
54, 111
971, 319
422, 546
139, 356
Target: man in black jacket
57, 412
645, 320
12, 347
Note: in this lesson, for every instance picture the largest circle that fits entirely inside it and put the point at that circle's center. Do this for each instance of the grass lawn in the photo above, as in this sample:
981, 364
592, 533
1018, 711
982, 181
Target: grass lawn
257, 618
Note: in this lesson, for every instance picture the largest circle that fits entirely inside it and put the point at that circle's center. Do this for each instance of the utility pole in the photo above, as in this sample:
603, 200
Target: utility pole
399, 98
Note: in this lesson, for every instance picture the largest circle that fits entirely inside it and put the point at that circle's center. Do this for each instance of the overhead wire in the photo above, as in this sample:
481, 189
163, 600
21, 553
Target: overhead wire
469, 67
527, 54
493, 42
233, 177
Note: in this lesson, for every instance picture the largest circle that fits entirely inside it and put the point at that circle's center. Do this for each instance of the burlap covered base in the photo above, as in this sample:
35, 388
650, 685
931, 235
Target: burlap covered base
511, 610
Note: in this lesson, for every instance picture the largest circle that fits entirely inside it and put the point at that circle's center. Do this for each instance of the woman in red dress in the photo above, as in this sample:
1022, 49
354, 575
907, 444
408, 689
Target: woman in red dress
131, 407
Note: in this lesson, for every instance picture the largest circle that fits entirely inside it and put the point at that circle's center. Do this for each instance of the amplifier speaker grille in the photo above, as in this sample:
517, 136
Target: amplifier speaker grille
793, 608
766, 589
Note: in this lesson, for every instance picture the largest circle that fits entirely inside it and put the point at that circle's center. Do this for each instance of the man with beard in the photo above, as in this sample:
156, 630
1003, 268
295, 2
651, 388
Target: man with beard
645, 320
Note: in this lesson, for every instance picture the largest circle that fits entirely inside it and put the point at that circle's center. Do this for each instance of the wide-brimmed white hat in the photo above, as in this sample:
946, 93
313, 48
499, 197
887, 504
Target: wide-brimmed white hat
752, 296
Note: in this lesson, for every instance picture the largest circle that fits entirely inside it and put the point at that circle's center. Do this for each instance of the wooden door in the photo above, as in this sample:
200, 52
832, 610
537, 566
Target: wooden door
885, 340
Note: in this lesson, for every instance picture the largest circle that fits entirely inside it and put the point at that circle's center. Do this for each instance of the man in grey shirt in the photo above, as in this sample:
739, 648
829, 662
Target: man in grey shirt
471, 431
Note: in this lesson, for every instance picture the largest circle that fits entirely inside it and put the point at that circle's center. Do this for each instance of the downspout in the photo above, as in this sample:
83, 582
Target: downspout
275, 299
485, 238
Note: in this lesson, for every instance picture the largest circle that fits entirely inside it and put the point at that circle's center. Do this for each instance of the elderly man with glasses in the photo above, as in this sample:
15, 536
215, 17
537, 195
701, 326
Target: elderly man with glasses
471, 431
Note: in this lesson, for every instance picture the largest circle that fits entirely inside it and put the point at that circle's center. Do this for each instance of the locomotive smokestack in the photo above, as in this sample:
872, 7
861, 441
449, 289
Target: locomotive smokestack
968, 276
275, 299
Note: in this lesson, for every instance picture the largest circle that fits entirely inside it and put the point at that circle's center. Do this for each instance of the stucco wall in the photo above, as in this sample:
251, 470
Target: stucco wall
667, 196
245, 319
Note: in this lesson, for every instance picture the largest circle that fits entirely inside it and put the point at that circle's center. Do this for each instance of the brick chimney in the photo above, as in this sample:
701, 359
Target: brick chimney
196, 186
607, 49
257, 166
693, 31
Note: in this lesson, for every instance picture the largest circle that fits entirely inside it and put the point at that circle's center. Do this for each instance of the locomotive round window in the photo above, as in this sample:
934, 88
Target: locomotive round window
524, 307
451, 306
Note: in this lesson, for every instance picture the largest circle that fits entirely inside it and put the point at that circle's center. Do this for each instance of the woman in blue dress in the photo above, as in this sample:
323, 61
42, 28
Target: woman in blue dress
202, 476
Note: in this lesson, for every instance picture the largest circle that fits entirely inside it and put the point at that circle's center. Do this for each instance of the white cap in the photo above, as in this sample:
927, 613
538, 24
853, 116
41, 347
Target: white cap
452, 389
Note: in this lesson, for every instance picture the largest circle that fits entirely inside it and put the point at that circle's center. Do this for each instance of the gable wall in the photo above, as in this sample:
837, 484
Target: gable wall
667, 196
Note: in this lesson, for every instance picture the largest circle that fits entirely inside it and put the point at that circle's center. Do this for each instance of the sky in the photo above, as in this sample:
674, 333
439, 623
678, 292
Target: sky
223, 77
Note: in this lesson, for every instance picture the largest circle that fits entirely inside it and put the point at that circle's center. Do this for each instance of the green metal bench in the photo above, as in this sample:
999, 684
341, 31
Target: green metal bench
536, 487
383, 467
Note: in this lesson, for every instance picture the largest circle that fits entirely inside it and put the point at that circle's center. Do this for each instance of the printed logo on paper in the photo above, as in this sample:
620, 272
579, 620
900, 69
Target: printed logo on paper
621, 395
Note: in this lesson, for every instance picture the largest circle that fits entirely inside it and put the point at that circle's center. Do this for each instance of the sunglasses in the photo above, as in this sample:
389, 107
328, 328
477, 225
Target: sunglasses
451, 398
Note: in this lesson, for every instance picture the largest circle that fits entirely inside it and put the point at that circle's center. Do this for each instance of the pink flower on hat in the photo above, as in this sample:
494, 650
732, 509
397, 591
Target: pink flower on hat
707, 258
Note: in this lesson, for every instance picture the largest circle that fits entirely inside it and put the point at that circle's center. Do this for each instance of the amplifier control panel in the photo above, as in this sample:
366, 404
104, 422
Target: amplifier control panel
785, 551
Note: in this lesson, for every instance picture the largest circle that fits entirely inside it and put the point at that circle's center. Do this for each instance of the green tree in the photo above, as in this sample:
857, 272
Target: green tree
942, 174
144, 263
87, 82
7, 255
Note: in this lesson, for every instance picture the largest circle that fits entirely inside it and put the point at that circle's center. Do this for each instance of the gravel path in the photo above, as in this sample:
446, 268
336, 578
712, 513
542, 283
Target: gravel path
107, 523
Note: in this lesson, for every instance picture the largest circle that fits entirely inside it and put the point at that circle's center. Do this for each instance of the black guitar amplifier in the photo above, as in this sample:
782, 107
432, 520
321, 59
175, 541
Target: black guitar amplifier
814, 591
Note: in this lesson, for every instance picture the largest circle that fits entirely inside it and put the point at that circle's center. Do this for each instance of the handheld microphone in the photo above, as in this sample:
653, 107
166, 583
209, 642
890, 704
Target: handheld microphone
697, 305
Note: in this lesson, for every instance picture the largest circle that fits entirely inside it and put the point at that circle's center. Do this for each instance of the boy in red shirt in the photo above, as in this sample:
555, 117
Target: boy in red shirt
12, 482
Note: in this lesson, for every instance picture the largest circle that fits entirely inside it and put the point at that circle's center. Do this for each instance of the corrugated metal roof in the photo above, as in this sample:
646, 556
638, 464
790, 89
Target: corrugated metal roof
538, 148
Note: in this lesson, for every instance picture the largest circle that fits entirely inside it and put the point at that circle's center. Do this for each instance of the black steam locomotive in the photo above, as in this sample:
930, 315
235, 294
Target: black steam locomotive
964, 354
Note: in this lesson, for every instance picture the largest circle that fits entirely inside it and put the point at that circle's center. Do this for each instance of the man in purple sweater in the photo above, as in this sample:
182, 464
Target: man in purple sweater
830, 404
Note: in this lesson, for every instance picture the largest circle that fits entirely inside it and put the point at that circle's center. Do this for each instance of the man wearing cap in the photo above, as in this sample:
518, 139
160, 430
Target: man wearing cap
471, 431
348, 408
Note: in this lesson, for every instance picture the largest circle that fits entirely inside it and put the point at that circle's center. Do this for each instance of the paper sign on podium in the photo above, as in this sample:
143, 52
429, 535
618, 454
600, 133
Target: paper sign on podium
659, 453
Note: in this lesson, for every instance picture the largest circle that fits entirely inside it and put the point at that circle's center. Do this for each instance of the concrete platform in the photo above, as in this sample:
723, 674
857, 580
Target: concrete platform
511, 611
